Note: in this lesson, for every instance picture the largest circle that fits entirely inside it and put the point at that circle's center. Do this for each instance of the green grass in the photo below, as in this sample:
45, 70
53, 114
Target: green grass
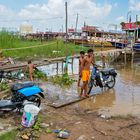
9, 135
8, 41
45, 51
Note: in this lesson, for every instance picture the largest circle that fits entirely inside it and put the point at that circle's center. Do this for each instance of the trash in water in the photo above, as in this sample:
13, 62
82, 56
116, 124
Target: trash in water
29, 115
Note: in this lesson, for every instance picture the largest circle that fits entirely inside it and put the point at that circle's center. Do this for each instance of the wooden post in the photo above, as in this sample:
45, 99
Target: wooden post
62, 67
72, 65
57, 67
125, 57
132, 59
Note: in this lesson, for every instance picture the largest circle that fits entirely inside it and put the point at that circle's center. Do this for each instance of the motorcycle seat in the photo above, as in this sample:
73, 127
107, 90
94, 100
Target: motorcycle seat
19, 86
107, 71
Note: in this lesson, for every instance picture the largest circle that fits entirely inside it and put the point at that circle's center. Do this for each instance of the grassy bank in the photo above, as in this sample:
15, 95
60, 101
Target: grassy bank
8, 40
36, 49
48, 49
52, 49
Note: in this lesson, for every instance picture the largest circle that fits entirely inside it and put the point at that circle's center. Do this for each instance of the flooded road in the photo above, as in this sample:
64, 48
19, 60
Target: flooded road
123, 99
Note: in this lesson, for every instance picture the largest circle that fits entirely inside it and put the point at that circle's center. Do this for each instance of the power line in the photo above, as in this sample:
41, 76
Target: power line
39, 19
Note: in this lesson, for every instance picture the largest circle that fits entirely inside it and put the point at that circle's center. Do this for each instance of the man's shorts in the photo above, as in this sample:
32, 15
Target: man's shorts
85, 75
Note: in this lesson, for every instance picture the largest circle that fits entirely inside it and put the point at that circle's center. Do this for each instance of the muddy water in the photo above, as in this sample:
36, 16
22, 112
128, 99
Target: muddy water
123, 99
51, 69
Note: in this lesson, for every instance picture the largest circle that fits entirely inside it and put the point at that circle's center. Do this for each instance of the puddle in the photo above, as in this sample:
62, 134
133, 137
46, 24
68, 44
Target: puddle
51, 69
123, 99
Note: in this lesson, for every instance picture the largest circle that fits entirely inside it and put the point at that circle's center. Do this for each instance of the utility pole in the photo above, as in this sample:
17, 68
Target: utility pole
76, 22
66, 11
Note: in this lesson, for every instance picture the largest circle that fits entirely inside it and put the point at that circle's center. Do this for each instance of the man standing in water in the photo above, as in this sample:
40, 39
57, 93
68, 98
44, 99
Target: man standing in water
82, 55
87, 61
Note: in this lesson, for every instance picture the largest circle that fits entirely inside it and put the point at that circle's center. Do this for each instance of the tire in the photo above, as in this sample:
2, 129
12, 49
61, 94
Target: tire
35, 99
111, 81
90, 86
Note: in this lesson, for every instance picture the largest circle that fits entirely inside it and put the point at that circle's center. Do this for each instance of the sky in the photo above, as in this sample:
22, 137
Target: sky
49, 15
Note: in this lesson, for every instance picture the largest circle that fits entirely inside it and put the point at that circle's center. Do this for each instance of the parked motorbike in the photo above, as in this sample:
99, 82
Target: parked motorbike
102, 78
22, 93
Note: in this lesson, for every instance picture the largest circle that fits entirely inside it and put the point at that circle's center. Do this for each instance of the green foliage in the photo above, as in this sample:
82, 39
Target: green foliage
48, 49
63, 80
9, 135
52, 49
40, 75
36, 126
4, 86
8, 40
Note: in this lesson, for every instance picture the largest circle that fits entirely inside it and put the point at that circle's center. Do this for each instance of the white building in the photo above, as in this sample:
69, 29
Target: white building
25, 29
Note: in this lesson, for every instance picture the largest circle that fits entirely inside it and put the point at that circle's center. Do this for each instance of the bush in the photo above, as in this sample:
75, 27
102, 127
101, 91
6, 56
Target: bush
39, 75
63, 80
4, 86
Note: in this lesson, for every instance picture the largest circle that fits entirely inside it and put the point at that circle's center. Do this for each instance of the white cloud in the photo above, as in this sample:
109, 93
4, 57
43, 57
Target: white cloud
134, 5
56, 8
120, 18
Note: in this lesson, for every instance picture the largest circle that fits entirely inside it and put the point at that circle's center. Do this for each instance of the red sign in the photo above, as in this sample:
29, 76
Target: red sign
132, 25
71, 30
88, 28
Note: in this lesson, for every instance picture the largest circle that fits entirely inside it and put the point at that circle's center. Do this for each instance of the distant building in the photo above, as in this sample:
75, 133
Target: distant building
26, 29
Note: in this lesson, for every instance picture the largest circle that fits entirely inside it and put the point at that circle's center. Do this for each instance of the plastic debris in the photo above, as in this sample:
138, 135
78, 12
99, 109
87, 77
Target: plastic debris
63, 134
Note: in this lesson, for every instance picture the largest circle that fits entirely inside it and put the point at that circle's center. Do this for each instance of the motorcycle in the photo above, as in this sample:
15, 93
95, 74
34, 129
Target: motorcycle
102, 78
22, 94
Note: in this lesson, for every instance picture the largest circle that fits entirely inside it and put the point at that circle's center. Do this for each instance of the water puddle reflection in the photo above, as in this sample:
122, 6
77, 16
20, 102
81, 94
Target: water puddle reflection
123, 99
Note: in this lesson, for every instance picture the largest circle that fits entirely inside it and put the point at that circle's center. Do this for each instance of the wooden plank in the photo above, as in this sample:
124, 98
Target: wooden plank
78, 99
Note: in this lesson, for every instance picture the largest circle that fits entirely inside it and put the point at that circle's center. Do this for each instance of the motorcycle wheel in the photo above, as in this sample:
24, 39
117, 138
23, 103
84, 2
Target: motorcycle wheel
90, 86
36, 100
110, 83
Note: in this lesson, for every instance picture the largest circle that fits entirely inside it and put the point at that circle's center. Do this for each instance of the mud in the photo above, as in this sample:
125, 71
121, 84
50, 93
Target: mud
83, 120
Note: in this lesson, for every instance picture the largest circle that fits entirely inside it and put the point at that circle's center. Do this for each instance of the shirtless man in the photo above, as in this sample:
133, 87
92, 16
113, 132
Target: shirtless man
31, 69
82, 55
88, 60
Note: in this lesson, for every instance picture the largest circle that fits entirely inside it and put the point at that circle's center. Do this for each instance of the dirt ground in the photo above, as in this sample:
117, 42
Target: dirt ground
83, 124
88, 125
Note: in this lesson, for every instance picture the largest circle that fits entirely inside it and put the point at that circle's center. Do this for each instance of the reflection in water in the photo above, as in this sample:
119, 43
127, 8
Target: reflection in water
105, 99
51, 69
122, 100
